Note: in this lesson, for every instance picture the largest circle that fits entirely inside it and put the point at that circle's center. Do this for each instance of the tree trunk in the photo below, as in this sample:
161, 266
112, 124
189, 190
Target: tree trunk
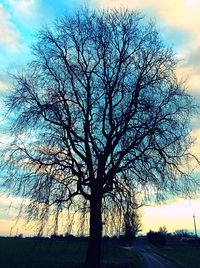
93, 256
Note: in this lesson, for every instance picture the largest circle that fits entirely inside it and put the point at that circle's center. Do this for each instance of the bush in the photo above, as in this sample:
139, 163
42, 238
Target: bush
157, 238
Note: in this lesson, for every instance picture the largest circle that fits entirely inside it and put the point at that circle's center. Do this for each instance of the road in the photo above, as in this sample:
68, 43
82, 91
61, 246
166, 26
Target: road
149, 259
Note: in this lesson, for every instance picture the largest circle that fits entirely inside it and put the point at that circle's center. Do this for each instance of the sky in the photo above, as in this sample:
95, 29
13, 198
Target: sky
179, 24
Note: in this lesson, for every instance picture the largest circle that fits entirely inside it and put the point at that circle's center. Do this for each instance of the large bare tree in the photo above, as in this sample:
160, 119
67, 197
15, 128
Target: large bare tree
97, 113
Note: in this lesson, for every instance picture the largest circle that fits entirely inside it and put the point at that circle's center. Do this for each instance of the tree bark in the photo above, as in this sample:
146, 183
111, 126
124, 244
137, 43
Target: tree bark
93, 257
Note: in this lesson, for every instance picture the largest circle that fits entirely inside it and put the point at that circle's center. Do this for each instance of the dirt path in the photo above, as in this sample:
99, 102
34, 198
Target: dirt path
149, 259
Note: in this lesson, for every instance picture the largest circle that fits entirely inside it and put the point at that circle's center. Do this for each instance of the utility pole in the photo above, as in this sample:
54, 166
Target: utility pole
195, 228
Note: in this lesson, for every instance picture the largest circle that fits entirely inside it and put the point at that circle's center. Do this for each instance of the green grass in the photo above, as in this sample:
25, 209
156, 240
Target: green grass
185, 255
26, 253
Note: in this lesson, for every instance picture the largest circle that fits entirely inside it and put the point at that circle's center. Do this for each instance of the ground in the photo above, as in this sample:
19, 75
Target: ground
49, 253
174, 254
30, 253
150, 259
187, 255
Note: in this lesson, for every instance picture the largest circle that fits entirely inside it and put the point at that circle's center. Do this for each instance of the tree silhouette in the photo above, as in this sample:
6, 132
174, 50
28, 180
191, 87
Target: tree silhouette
121, 215
132, 221
97, 113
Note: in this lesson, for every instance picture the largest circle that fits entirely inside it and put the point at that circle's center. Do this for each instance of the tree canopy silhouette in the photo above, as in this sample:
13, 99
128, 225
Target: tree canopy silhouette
97, 114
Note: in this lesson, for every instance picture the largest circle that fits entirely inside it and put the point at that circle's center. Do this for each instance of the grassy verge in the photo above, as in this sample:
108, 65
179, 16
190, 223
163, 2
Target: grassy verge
120, 258
185, 255
25, 253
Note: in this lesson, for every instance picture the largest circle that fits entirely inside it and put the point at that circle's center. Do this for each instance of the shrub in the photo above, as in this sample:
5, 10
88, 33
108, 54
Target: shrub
157, 238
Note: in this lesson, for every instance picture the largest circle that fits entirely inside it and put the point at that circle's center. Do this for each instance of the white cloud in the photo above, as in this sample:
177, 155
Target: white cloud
23, 7
6, 200
9, 35
4, 85
29, 15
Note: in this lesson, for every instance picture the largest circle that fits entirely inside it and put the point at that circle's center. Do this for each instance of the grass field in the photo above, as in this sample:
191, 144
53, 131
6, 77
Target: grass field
26, 253
185, 255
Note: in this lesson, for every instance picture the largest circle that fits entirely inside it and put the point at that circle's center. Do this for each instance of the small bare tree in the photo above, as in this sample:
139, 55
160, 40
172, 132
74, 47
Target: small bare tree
132, 220
121, 215
97, 113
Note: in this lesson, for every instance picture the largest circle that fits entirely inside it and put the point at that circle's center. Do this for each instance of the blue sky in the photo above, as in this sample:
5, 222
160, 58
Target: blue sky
179, 23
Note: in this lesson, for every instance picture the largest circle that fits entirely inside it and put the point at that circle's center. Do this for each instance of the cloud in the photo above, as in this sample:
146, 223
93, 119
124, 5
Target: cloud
9, 35
194, 58
195, 134
182, 14
10, 227
9, 207
4, 85
179, 21
30, 15
4, 79
24, 8
194, 165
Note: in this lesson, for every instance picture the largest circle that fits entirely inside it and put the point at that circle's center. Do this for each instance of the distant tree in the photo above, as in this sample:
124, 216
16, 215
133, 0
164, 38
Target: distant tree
132, 221
20, 236
163, 230
122, 216
157, 238
183, 233
97, 113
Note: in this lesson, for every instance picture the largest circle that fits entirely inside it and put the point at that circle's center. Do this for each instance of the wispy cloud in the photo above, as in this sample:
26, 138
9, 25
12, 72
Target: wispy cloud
179, 22
182, 15
23, 7
4, 85
9, 35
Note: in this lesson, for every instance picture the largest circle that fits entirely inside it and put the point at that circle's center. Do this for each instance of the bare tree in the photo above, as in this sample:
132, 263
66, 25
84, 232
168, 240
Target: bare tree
132, 220
97, 113
163, 230
121, 215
